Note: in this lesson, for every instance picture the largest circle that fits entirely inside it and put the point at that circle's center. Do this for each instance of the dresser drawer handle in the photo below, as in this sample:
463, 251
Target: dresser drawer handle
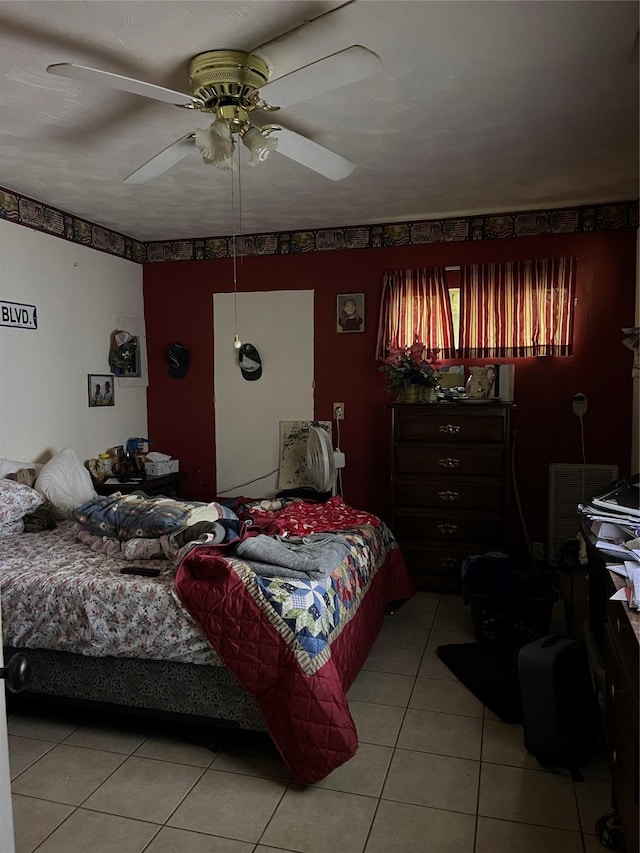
613, 691
448, 496
618, 625
447, 562
448, 462
450, 429
614, 756
447, 528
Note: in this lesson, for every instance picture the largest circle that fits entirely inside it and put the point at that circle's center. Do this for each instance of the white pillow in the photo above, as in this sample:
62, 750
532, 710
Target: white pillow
16, 500
10, 466
65, 482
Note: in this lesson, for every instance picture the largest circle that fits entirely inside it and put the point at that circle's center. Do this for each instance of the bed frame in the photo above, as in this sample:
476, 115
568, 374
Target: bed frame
200, 694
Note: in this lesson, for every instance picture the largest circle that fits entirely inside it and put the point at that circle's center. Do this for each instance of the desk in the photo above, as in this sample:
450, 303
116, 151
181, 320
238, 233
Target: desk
621, 660
616, 632
169, 485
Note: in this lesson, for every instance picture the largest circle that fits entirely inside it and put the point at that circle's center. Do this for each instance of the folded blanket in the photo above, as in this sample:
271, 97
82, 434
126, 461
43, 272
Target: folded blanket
306, 558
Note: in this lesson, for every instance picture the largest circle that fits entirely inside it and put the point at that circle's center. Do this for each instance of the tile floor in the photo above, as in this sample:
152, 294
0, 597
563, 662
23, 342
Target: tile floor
436, 772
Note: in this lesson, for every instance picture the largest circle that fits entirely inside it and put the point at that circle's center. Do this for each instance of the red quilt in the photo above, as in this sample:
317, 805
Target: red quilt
302, 696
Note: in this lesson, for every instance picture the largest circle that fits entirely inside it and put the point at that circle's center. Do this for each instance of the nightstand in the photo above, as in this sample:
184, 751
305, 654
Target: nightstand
169, 485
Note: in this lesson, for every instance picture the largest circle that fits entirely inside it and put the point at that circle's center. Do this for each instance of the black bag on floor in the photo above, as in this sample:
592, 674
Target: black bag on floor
559, 708
507, 605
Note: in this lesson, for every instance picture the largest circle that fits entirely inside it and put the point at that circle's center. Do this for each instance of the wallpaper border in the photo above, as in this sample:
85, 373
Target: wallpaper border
31, 213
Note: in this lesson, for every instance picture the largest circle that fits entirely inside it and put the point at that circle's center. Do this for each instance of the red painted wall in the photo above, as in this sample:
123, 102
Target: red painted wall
179, 307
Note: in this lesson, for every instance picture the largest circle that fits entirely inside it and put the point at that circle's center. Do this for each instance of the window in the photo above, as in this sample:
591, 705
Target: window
454, 301
514, 310
506, 310
415, 305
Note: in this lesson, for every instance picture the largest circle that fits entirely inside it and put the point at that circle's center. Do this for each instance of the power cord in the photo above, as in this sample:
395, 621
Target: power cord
516, 495
579, 404
249, 482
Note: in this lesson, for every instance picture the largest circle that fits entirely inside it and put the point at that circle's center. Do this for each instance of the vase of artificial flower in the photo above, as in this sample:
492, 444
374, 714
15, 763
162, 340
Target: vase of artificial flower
412, 373
410, 394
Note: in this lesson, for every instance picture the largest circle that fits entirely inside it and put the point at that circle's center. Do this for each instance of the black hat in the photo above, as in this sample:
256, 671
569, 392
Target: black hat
250, 362
178, 361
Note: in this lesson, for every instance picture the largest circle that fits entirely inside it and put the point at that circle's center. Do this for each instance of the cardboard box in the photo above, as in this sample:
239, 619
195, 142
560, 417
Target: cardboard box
159, 469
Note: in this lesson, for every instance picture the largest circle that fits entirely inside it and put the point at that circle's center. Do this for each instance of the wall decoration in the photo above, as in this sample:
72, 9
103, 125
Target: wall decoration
350, 312
565, 220
18, 315
124, 354
101, 390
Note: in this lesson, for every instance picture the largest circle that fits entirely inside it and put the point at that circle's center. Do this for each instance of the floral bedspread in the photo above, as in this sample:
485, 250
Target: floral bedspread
59, 594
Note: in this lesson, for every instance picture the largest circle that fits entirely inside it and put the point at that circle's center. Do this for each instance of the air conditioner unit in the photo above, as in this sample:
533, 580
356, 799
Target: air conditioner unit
570, 485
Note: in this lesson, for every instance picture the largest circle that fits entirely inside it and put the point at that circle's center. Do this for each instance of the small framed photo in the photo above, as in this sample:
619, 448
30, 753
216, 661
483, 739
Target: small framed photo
350, 312
101, 390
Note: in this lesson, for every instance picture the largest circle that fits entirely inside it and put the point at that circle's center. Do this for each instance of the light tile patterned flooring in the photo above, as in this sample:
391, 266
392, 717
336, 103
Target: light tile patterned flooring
435, 772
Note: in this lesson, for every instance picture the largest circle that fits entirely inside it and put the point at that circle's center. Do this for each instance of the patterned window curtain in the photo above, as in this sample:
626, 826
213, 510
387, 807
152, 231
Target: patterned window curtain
415, 304
517, 309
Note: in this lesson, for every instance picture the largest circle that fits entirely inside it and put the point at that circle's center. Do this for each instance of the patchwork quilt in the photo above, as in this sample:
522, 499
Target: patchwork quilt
296, 644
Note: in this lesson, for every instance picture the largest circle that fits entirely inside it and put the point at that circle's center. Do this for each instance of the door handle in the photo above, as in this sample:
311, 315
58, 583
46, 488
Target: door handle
446, 528
449, 462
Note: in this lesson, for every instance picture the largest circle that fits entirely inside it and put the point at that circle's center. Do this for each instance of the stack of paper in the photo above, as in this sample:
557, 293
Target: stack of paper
631, 591
614, 519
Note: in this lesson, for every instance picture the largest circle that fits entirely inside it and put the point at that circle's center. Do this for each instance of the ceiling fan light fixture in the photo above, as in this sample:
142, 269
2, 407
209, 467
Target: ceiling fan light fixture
216, 144
259, 143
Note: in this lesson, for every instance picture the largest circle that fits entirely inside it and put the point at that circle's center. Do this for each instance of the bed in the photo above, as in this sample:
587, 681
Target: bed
214, 638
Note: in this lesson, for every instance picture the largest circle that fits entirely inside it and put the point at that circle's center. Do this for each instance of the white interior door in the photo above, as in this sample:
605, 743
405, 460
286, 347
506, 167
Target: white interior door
279, 324
7, 842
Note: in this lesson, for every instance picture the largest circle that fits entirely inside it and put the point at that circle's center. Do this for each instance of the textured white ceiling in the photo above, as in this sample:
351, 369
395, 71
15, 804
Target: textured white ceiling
481, 107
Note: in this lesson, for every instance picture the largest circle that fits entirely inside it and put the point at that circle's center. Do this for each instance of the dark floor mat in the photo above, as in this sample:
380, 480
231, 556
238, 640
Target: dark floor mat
488, 671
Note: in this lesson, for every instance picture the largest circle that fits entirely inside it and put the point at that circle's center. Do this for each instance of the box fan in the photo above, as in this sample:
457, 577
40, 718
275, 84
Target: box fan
323, 462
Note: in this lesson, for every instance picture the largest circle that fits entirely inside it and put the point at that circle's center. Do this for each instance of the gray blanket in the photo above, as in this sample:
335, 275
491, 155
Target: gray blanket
305, 558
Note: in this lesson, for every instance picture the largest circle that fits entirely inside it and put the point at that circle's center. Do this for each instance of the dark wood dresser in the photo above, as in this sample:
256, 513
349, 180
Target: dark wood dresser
450, 475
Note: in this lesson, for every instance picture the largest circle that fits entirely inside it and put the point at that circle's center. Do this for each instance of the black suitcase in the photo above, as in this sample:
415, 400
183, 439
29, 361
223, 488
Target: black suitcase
559, 706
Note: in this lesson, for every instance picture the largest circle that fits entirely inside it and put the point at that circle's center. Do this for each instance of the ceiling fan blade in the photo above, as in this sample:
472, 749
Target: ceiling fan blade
313, 156
347, 66
123, 84
163, 161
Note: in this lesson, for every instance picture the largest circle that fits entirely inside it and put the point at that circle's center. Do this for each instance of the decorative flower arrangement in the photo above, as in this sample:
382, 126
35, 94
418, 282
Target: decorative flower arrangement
414, 365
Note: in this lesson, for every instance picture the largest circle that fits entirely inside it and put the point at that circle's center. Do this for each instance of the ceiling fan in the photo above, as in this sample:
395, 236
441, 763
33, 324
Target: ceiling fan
232, 86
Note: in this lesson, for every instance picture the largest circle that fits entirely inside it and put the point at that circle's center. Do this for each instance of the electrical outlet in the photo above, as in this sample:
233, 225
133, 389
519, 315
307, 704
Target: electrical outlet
338, 411
537, 551
579, 402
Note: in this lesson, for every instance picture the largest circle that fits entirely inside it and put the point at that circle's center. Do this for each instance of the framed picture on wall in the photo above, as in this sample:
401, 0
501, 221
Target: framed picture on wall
350, 312
101, 390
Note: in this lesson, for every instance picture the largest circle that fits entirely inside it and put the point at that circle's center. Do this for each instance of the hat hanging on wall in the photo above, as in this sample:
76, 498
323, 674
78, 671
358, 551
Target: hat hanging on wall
178, 357
250, 362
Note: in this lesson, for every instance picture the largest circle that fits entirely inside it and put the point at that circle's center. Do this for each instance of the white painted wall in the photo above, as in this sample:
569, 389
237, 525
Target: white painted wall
81, 296
280, 325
